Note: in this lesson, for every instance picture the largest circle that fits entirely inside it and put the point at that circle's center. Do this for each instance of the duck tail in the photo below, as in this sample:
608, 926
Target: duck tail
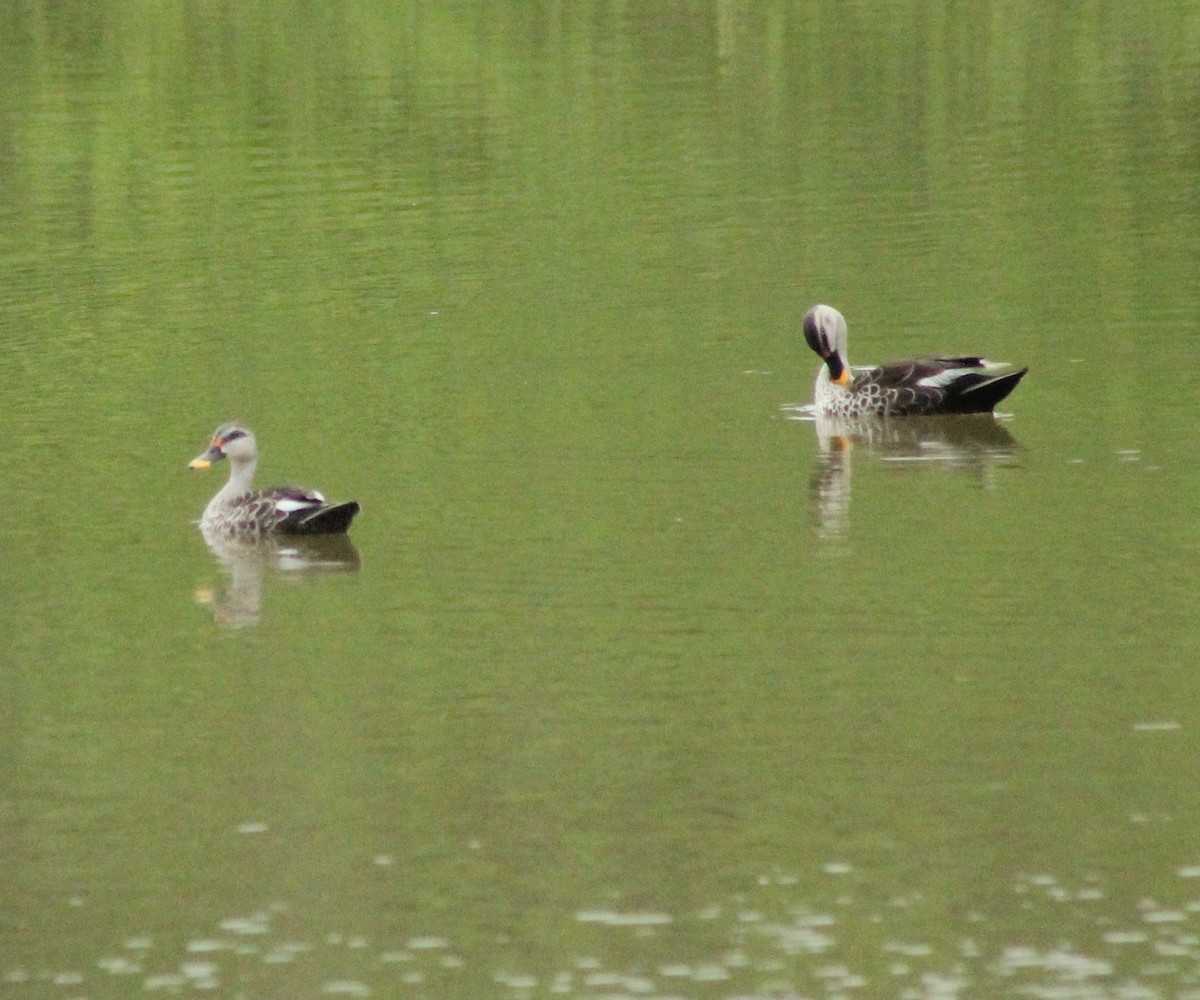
333, 519
983, 396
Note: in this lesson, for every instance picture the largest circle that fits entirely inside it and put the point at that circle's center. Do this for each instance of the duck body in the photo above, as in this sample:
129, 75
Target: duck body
240, 510
924, 386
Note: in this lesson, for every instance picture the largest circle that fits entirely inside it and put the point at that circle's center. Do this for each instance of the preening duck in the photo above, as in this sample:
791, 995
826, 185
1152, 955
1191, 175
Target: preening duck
901, 388
238, 509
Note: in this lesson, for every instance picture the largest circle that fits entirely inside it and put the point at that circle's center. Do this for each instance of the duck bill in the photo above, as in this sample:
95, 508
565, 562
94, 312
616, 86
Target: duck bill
213, 454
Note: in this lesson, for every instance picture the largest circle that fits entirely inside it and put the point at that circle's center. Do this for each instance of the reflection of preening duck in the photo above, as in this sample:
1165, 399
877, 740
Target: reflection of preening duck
239, 509
902, 388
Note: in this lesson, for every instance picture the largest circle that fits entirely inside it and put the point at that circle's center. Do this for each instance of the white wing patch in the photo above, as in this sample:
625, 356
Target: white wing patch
291, 506
944, 378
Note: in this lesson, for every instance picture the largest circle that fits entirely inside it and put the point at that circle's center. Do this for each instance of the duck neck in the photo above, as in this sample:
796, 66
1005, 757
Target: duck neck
241, 475
835, 368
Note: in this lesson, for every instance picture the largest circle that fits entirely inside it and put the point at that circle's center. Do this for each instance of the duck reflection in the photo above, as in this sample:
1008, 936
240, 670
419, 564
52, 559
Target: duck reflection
246, 560
975, 445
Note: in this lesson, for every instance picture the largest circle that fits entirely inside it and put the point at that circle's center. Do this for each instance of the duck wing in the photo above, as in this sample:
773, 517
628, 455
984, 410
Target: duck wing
328, 519
296, 511
290, 510
939, 385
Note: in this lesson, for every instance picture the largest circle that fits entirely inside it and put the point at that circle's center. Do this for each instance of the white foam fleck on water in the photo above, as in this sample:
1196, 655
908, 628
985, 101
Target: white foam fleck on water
838, 868
283, 953
347, 988
1019, 957
427, 943
1165, 726
615, 980
277, 956
119, 966
1189, 871
943, 985
1164, 917
396, 955
198, 970
1066, 964
165, 981
204, 945
917, 950
255, 924
840, 977
252, 827
613, 918
516, 981
1125, 937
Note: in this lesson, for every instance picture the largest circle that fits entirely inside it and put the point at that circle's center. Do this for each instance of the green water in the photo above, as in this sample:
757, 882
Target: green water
632, 684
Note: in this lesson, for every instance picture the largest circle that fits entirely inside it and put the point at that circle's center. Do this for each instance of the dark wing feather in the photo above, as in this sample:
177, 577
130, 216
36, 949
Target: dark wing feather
329, 519
899, 389
307, 513
287, 510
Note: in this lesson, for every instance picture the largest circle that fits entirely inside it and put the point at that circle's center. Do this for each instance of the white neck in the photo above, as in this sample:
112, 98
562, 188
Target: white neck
825, 387
241, 474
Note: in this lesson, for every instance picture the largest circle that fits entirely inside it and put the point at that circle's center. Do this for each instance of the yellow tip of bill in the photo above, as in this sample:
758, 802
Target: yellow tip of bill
199, 463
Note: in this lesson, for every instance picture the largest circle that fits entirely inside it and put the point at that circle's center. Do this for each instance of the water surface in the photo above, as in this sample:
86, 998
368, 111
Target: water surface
633, 684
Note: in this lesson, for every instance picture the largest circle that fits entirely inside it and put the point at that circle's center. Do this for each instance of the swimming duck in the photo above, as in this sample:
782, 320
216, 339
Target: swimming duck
902, 388
237, 509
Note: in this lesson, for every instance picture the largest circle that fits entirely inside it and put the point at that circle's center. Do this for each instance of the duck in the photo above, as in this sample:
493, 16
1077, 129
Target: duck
923, 386
239, 510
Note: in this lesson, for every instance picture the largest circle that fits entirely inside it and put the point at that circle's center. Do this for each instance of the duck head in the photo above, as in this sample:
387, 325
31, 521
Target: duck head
825, 331
232, 441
